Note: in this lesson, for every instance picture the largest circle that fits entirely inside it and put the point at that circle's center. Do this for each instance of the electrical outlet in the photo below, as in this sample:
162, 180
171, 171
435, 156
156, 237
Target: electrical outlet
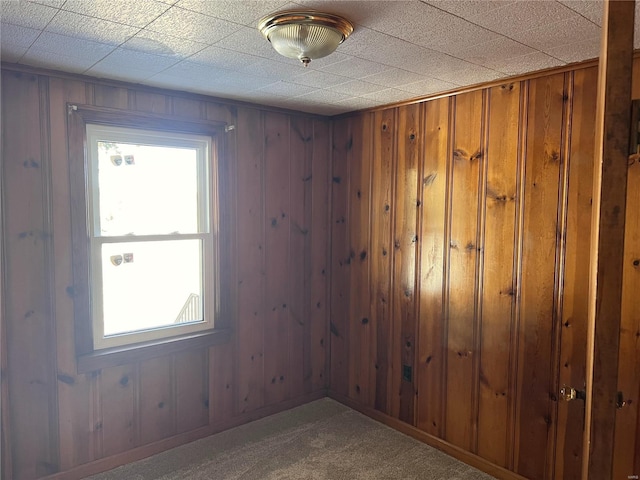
407, 373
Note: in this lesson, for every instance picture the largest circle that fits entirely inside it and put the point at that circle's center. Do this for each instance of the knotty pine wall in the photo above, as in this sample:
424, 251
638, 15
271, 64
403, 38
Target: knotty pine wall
460, 262
55, 420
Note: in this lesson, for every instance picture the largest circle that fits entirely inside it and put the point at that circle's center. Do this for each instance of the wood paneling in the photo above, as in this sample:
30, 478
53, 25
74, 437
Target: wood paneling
340, 258
277, 381
537, 285
463, 246
576, 273
405, 246
382, 199
59, 420
27, 274
359, 327
503, 188
497, 299
431, 269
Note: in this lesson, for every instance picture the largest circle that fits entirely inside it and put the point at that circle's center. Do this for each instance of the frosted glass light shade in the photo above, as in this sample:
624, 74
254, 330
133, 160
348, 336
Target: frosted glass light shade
305, 35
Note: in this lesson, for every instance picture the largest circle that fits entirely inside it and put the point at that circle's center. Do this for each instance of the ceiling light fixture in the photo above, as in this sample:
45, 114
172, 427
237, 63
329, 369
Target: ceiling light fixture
305, 34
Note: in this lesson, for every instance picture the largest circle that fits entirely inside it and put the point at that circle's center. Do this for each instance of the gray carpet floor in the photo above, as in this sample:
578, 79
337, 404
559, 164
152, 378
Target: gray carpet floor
317, 441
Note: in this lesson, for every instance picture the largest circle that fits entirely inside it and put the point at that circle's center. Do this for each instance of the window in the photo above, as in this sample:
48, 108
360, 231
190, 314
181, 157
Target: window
150, 234
150, 222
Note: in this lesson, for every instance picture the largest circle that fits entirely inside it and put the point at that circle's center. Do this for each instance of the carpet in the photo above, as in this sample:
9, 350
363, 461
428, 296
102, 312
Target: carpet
322, 440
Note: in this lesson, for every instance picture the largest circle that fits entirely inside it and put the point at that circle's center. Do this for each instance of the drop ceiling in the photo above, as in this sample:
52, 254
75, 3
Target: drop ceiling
399, 50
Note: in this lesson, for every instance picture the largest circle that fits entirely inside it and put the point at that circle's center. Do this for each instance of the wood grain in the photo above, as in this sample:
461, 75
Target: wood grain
576, 274
299, 169
277, 243
607, 236
537, 307
340, 259
360, 339
191, 390
382, 208
431, 268
467, 162
114, 408
405, 246
320, 254
499, 283
251, 279
27, 256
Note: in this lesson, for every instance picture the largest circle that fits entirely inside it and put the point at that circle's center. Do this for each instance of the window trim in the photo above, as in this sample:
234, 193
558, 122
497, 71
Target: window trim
88, 357
207, 230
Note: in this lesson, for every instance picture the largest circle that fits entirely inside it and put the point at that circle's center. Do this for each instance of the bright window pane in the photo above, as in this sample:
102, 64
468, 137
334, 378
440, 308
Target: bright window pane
146, 190
148, 285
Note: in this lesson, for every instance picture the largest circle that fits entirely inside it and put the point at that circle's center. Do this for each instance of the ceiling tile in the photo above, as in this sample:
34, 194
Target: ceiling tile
451, 69
162, 44
137, 13
11, 53
437, 30
386, 49
192, 26
427, 86
120, 60
319, 79
499, 48
590, 9
576, 52
284, 89
354, 67
357, 88
472, 76
522, 15
249, 40
57, 61
525, 63
18, 36
394, 77
223, 58
321, 63
357, 103
559, 33
275, 69
26, 14
195, 72
89, 28
469, 9
388, 95
50, 3
62, 45
399, 50
358, 12
130, 74
324, 96
244, 12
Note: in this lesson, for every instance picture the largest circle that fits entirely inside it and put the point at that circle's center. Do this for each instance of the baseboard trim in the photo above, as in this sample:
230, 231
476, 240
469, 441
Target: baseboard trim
108, 463
435, 442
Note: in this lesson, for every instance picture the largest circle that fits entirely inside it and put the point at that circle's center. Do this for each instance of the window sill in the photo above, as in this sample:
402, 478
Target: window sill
113, 357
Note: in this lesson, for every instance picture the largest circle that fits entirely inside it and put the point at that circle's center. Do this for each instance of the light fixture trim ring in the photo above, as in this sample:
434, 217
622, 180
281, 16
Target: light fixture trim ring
301, 17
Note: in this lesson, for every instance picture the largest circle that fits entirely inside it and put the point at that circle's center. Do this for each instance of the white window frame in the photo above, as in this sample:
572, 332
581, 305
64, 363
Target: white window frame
207, 213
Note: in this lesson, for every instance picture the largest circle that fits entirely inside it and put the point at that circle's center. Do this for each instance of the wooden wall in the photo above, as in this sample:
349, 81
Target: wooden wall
460, 263
55, 420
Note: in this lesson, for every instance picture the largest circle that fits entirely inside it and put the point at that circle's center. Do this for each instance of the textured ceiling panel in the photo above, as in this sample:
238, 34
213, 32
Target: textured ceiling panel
399, 50
244, 12
25, 14
156, 43
21, 37
192, 26
525, 63
137, 13
90, 28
